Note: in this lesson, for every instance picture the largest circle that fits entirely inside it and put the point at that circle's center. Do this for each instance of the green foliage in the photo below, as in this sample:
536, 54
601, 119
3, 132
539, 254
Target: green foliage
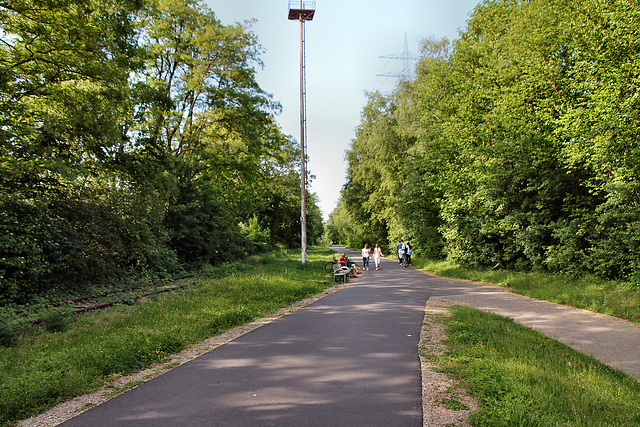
341, 228
8, 335
454, 405
54, 321
515, 147
257, 237
373, 166
133, 139
521, 377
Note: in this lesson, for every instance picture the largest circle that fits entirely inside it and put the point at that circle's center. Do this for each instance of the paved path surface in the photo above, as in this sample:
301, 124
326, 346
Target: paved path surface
611, 340
349, 359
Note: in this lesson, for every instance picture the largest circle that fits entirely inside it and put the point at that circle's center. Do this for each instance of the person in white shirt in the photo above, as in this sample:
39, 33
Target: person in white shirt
366, 253
400, 251
377, 255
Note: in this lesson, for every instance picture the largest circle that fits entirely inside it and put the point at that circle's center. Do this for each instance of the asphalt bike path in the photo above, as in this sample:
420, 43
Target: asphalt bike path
347, 359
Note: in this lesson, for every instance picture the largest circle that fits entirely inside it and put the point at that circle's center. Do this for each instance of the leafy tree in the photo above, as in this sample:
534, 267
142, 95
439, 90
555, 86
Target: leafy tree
598, 130
340, 227
206, 109
134, 140
62, 64
375, 159
517, 146
423, 106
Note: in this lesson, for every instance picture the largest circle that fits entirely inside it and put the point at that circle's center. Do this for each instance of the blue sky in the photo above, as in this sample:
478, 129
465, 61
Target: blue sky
344, 43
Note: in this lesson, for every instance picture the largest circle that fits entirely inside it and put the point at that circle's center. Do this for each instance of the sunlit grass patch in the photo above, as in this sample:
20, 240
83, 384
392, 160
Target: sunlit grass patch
521, 377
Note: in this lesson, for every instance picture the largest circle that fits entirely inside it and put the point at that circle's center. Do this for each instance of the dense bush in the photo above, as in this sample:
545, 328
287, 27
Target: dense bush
514, 147
135, 149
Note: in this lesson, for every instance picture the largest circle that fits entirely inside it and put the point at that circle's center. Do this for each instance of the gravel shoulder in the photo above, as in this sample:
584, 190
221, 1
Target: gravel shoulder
437, 387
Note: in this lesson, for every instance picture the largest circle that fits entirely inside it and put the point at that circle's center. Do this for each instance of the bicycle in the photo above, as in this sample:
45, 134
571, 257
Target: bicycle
328, 266
403, 261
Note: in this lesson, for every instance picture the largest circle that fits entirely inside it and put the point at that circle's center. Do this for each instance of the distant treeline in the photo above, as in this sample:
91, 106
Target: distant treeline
516, 146
134, 140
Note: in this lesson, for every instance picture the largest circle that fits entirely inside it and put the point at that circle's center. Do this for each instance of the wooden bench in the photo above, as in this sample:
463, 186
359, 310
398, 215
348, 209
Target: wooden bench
340, 271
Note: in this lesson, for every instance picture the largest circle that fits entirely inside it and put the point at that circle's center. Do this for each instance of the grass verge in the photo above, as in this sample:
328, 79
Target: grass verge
46, 367
523, 378
618, 299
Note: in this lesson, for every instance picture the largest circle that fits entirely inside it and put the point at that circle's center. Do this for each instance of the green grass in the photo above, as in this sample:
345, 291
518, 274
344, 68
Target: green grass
47, 367
618, 299
519, 376
523, 378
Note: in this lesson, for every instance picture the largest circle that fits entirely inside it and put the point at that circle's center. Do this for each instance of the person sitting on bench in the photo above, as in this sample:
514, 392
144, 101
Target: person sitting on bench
344, 261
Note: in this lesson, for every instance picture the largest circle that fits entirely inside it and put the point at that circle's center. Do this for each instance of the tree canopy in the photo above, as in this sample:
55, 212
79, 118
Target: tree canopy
515, 146
135, 140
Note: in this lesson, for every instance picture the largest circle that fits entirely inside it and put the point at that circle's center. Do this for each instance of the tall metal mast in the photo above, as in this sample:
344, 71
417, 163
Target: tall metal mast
303, 11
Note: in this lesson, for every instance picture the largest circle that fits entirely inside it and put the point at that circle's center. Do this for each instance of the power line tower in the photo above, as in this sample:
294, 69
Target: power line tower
408, 59
300, 10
